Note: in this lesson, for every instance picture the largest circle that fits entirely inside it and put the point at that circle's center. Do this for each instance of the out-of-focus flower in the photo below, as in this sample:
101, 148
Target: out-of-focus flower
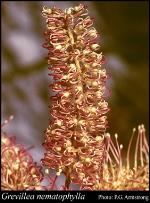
120, 174
18, 171
74, 140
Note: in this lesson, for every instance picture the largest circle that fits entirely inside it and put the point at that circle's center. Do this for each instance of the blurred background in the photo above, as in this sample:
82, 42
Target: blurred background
123, 27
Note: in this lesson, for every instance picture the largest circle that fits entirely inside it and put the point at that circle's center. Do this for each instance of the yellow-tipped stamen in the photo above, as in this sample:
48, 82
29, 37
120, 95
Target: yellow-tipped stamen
128, 151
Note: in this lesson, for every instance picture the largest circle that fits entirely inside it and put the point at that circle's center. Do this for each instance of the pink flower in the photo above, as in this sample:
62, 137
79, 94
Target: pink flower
18, 171
74, 140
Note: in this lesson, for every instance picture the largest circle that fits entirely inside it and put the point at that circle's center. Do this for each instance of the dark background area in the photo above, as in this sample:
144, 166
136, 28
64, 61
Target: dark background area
24, 75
